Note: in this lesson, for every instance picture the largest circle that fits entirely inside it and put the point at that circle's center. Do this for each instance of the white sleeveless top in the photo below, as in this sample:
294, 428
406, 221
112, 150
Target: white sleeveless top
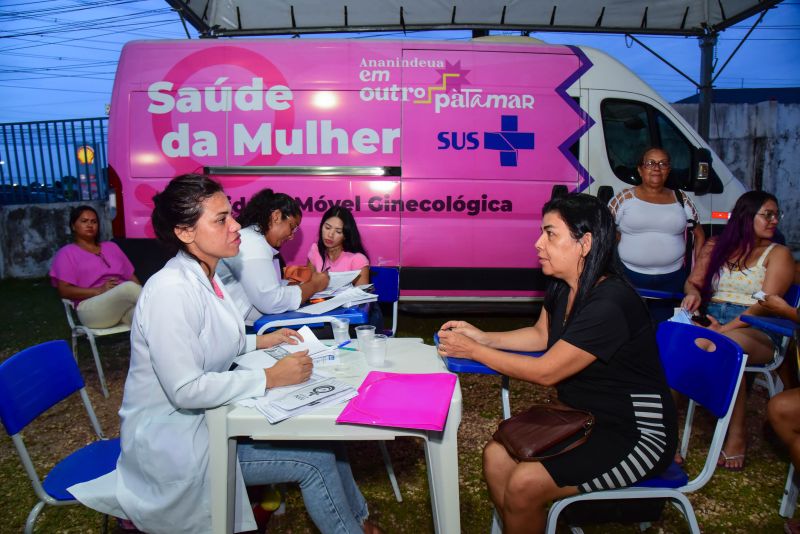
652, 236
738, 287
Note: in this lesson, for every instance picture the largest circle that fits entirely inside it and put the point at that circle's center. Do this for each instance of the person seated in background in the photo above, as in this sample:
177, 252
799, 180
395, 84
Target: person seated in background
741, 261
652, 224
96, 276
783, 410
601, 356
253, 276
187, 333
338, 247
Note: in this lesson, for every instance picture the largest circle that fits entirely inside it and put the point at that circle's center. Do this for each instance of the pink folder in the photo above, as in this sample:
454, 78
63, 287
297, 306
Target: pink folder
401, 400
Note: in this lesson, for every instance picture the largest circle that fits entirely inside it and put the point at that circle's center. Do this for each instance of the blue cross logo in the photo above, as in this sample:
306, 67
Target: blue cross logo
508, 141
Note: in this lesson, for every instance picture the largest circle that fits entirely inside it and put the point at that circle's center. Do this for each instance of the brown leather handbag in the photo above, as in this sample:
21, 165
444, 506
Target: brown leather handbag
544, 431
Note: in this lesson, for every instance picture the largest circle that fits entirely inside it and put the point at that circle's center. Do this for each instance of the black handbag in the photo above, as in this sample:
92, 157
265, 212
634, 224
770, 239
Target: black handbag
544, 431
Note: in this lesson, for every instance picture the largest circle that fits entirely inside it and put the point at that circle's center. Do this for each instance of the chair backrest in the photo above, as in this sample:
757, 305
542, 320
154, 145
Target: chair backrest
34, 380
710, 378
387, 283
792, 296
69, 309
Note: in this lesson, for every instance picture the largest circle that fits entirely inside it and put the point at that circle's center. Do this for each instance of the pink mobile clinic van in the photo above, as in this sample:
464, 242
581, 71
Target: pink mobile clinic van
445, 152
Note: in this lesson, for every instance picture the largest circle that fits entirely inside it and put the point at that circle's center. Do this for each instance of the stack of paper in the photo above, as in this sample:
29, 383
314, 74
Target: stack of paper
350, 297
288, 401
316, 350
339, 282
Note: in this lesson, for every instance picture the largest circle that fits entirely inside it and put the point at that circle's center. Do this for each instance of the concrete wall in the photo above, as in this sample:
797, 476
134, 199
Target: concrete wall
31, 234
760, 144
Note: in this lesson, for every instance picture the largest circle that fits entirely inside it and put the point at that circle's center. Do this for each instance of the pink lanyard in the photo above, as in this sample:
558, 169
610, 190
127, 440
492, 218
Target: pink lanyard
217, 290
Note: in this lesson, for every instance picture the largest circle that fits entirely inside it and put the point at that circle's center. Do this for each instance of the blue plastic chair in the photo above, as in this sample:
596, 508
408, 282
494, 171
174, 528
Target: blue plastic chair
387, 285
465, 365
768, 371
293, 319
788, 329
31, 382
711, 379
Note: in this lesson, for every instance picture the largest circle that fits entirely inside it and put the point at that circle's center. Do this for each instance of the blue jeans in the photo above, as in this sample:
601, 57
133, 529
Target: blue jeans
330, 493
660, 310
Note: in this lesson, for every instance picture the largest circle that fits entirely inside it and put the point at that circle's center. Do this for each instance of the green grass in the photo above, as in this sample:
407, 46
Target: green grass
732, 502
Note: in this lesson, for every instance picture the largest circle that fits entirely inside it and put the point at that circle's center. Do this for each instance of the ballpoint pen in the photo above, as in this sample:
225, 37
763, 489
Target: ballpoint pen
342, 344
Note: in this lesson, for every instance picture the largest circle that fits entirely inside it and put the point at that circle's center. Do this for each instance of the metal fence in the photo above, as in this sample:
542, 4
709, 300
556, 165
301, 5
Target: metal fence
53, 161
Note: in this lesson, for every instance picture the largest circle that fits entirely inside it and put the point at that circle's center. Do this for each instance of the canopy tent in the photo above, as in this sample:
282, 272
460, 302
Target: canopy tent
666, 17
700, 18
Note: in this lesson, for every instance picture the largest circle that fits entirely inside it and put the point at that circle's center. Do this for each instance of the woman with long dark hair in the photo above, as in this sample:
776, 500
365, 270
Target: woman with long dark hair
254, 275
338, 247
601, 355
730, 269
96, 275
185, 336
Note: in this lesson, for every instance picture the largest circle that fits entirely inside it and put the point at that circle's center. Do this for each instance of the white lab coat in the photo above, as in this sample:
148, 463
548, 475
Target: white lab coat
183, 341
253, 277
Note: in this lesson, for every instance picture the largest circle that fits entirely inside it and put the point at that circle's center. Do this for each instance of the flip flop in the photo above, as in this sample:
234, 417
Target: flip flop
724, 459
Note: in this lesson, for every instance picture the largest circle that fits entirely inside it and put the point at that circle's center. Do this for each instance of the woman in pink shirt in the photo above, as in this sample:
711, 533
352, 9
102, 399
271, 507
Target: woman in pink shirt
96, 276
339, 247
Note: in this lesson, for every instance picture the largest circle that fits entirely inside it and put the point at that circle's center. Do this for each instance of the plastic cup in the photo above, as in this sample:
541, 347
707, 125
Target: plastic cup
375, 350
364, 333
341, 330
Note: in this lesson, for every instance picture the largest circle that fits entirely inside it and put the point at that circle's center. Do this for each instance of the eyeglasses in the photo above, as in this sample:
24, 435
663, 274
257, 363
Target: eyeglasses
652, 164
770, 215
293, 227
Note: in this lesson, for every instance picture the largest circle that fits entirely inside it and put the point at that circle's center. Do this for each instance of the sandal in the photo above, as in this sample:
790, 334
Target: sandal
724, 461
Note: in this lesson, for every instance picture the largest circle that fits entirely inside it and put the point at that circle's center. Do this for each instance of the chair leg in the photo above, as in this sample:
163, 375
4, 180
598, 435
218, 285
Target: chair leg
497, 523
32, 517
790, 493
505, 397
387, 461
75, 345
100, 373
682, 503
687, 429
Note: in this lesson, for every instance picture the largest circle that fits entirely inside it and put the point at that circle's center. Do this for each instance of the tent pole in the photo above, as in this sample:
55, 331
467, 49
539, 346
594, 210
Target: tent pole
708, 43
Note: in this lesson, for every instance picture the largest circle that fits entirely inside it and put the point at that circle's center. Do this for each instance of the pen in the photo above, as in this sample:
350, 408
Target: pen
342, 344
348, 348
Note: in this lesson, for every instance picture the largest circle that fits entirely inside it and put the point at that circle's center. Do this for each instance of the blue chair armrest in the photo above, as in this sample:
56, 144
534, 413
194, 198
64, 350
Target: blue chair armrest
781, 326
356, 315
656, 294
465, 365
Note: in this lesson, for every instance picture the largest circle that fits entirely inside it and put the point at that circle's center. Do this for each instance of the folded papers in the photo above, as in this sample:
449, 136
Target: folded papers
351, 296
288, 401
419, 401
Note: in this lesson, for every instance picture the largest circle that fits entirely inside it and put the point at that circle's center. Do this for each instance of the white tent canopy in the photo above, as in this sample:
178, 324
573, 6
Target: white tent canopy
666, 17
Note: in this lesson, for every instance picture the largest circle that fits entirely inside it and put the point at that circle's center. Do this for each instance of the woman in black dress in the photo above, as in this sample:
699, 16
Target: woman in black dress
601, 357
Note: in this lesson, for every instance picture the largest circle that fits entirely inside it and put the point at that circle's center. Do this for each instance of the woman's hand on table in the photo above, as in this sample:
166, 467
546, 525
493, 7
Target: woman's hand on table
466, 329
292, 369
457, 345
278, 337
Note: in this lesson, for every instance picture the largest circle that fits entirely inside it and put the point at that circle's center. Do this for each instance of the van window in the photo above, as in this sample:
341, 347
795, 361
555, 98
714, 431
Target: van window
629, 127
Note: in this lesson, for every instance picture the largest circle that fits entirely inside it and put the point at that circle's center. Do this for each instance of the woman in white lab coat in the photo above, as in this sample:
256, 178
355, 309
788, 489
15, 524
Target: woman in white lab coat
185, 335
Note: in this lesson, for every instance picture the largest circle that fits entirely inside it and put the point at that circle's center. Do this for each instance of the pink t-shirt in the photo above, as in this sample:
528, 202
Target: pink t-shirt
81, 268
347, 261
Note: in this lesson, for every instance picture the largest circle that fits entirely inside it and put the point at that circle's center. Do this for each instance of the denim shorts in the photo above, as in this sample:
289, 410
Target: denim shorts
725, 312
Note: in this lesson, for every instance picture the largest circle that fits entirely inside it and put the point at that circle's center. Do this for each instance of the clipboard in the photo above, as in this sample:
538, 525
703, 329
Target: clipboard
419, 401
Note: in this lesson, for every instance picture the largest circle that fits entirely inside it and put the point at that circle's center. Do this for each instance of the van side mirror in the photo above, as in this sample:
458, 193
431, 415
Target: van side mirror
701, 171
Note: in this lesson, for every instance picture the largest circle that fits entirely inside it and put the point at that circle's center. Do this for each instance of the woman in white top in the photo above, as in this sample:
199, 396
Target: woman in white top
652, 220
254, 275
730, 268
185, 336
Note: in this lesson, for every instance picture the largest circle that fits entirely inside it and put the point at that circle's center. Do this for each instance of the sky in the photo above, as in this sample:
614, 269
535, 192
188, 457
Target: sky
58, 57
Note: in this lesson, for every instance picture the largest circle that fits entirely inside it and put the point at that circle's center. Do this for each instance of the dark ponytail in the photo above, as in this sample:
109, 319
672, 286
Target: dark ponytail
259, 209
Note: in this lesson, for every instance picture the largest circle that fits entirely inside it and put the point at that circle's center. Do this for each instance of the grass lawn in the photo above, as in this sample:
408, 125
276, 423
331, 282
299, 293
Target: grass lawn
731, 502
